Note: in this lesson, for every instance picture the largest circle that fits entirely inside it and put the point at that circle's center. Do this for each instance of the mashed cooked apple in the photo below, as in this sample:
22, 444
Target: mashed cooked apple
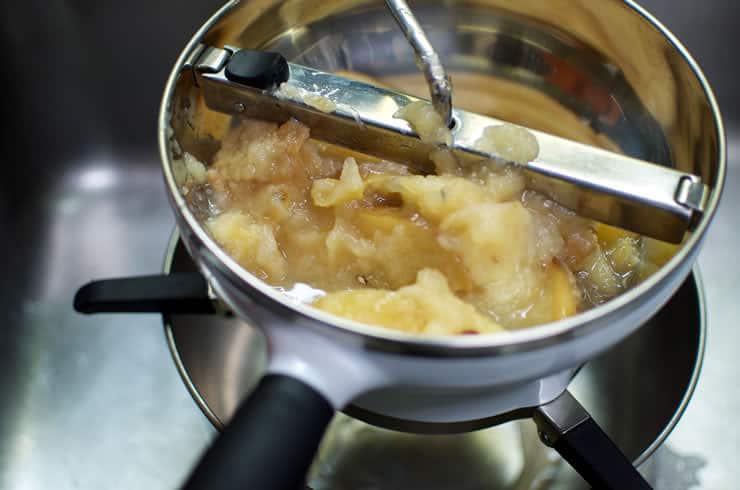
461, 252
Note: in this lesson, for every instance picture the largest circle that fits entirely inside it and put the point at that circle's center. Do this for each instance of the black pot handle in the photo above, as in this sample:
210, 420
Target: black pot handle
269, 443
181, 292
567, 427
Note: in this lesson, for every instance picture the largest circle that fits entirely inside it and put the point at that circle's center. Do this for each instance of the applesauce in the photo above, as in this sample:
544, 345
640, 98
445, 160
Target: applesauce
462, 251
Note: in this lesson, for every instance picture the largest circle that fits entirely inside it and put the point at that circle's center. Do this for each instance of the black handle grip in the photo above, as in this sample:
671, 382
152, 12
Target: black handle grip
257, 69
598, 460
568, 428
183, 292
269, 443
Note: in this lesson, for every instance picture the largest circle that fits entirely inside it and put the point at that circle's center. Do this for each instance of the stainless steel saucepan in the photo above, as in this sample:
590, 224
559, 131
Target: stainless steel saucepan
602, 72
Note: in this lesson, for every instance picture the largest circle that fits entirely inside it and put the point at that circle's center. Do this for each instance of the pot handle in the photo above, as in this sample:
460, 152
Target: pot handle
567, 427
270, 442
180, 292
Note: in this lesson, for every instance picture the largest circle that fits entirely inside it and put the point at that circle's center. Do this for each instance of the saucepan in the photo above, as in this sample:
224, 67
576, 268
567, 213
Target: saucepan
603, 72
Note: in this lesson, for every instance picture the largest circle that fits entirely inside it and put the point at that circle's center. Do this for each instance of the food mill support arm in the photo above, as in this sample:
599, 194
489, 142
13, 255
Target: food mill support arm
643, 197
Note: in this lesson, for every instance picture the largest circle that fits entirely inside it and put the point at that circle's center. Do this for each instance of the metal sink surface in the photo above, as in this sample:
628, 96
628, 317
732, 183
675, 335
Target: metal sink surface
96, 402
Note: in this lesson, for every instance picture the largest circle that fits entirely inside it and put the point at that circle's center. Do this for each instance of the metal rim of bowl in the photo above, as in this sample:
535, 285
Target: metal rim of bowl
480, 345
639, 460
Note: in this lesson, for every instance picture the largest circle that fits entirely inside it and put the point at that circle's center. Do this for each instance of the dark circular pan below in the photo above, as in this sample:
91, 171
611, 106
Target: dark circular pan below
637, 391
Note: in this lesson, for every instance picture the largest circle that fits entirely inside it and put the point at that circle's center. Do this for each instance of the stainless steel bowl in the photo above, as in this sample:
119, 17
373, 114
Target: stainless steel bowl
602, 72
637, 392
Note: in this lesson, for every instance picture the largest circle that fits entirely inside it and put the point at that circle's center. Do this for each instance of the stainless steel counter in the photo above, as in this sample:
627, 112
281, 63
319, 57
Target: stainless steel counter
95, 402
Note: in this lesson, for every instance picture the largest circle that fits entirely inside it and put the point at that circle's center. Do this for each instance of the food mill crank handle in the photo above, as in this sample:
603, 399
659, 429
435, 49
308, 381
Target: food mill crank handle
567, 427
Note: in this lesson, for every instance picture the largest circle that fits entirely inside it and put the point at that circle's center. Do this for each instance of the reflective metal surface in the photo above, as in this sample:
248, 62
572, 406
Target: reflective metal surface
87, 403
92, 403
221, 358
